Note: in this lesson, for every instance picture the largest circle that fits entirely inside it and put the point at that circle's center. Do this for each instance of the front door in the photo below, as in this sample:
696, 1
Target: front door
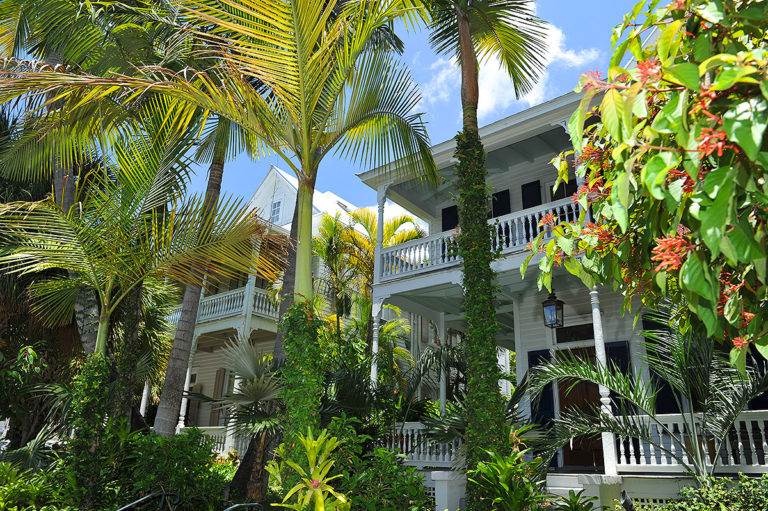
582, 452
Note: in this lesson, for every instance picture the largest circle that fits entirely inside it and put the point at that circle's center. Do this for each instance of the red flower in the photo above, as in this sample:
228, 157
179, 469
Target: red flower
594, 80
712, 140
548, 219
649, 70
315, 483
739, 342
677, 5
748, 316
670, 252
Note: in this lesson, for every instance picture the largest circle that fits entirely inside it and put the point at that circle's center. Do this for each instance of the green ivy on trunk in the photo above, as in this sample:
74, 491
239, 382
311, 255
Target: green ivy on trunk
485, 421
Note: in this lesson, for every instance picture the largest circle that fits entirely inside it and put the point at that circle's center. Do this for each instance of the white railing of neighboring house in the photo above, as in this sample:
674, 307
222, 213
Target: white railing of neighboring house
746, 449
512, 233
409, 439
222, 305
219, 435
262, 305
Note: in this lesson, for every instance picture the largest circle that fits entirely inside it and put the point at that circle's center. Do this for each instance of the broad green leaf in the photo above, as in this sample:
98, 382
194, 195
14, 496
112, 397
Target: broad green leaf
762, 346
620, 200
745, 123
667, 36
712, 11
668, 120
715, 180
686, 74
694, 278
738, 357
566, 244
764, 88
572, 265
610, 112
702, 47
661, 280
714, 218
654, 172
729, 76
745, 245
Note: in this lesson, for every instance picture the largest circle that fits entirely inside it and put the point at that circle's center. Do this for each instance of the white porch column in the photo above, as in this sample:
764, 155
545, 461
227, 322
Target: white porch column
381, 197
144, 398
183, 410
609, 444
248, 306
229, 438
441, 335
376, 308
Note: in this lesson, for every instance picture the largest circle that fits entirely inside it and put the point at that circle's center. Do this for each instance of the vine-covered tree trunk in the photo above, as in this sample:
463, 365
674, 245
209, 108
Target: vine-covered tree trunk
485, 419
289, 277
250, 480
176, 373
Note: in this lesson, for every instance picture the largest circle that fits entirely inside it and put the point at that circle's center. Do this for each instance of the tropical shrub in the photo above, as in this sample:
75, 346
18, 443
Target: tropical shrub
575, 501
673, 163
23, 489
509, 482
375, 480
722, 494
313, 486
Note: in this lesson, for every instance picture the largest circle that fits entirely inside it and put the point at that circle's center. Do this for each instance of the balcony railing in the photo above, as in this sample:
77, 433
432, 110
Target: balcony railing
745, 450
219, 435
511, 233
409, 439
229, 304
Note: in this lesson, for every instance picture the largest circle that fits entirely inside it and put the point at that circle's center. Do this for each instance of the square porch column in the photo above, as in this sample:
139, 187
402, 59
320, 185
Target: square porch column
187, 381
608, 440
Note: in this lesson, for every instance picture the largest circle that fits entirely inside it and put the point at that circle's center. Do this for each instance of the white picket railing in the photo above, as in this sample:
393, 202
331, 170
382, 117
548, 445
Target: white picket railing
512, 233
222, 305
219, 435
746, 449
409, 439
262, 305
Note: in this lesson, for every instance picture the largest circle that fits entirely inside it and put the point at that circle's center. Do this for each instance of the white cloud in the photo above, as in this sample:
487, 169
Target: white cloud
496, 91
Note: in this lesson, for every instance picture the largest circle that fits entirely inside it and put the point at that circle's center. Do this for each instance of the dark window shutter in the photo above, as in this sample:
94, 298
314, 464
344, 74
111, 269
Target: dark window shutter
531, 194
450, 218
543, 411
218, 389
501, 204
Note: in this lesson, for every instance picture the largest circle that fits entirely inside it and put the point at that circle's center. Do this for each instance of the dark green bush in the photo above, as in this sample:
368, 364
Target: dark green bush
378, 480
723, 494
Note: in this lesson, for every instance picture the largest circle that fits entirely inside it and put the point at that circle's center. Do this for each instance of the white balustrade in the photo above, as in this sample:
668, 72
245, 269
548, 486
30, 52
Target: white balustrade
744, 450
262, 305
512, 233
222, 305
219, 435
409, 439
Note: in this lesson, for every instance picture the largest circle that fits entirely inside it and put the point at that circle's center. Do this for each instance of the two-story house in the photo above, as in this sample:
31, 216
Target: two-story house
424, 277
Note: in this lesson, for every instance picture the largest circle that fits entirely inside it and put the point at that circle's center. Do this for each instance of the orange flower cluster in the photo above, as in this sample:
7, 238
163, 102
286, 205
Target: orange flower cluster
670, 252
649, 70
688, 183
594, 156
606, 238
712, 140
740, 342
593, 192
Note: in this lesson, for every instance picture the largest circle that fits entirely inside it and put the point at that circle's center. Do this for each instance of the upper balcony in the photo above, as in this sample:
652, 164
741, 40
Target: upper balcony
230, 304
521, 180
511, 234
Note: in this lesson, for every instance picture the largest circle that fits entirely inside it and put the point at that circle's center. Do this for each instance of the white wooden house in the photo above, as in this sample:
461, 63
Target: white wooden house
424, 277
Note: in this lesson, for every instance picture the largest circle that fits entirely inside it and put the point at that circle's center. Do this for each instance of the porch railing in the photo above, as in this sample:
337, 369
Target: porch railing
511, 233
228, 304
409, 439
262, 305
219, 435
745, 450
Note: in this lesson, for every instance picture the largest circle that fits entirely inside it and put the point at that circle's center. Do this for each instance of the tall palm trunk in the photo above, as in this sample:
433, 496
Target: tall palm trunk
173, 387
485, 418
303, 285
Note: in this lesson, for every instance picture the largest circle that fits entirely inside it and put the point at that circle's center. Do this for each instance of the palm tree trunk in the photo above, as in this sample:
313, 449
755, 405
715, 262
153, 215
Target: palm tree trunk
485, 417
303, 286
289, 278
102, 334
178, 363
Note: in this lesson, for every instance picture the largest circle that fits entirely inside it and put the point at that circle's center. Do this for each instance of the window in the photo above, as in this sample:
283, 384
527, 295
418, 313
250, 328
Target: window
564, 190
584, 332
274, 215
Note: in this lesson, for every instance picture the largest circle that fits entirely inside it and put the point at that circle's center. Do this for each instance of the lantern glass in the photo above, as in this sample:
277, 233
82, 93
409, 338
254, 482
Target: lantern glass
553, 311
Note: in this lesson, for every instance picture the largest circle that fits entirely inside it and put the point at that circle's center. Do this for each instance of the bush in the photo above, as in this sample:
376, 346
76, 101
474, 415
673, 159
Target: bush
723, 494
509, 483
377, 480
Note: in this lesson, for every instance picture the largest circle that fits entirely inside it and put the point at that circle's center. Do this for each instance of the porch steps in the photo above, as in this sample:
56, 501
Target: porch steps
561, 484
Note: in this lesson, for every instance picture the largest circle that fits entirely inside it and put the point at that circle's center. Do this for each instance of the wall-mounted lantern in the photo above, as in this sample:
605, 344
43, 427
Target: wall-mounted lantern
553, 311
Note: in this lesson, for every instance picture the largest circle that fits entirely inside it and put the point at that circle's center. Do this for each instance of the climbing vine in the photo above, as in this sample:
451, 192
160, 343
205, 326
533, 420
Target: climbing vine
302, 374
485, 420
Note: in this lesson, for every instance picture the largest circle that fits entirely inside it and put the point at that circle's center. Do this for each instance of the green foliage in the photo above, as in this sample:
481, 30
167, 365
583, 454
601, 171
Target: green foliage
24, 489
509, 483
302, 374
675, 169
485, 420
722, 494
313, 487
378, 480
575, 501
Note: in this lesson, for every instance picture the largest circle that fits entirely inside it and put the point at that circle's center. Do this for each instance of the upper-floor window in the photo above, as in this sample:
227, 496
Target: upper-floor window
274, 214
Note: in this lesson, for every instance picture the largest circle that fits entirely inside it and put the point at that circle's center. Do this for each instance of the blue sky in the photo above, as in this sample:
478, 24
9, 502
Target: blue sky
578, 38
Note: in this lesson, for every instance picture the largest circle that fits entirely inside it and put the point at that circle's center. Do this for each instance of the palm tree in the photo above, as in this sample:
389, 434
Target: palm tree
130, 225
361, 239
709, 391
337, 273
324, 89
470, 30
